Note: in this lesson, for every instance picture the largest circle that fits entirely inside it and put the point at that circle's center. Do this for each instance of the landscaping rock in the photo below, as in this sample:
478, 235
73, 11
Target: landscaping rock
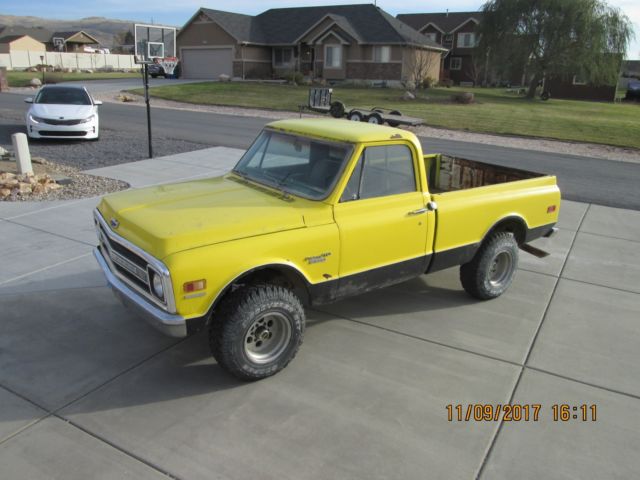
35, 82
408, 96
463, 97
223, 77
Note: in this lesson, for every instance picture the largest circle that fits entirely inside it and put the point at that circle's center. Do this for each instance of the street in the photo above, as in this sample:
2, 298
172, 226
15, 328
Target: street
583, 179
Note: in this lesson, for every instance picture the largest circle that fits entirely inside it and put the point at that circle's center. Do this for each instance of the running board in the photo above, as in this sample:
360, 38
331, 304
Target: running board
536, 252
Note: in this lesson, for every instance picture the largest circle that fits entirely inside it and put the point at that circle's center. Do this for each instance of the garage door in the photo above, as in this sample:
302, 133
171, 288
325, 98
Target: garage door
207, 63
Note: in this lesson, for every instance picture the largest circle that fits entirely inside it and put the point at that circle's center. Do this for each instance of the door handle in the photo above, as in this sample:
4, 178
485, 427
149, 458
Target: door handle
420, 211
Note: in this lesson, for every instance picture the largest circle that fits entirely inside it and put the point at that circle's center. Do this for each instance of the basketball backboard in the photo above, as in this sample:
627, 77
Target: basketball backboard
154, 41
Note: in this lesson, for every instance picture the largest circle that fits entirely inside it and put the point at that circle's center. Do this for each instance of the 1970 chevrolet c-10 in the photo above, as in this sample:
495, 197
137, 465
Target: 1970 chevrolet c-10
315, 211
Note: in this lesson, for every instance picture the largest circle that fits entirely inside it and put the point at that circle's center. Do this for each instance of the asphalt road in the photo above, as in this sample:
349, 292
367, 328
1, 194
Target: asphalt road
581, 179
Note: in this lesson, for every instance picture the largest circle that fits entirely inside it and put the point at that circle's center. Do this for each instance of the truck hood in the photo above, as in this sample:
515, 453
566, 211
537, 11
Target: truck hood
166, 219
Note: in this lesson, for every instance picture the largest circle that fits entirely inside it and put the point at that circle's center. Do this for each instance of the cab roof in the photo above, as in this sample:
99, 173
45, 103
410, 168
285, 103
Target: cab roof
341, 130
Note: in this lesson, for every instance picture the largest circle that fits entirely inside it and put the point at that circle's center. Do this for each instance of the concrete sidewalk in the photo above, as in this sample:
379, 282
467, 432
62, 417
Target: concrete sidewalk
89, 391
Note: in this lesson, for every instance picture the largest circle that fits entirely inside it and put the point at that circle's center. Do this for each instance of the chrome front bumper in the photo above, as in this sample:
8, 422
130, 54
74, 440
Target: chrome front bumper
168, 323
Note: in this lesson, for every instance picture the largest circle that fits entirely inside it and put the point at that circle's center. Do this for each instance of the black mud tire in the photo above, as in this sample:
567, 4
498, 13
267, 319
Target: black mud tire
490, 273
337, 109
239, 313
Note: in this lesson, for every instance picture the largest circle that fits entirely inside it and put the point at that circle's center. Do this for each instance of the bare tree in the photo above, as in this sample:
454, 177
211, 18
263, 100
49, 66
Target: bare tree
476, 67
421, 64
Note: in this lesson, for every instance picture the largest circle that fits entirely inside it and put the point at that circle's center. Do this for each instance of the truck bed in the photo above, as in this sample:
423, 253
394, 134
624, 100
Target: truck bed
447, 174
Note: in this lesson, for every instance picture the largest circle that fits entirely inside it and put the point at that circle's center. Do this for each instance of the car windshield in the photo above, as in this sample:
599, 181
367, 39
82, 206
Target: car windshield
298, 165
63, 96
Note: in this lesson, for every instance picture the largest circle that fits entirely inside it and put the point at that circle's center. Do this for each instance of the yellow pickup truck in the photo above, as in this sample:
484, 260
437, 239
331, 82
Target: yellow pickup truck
315, 211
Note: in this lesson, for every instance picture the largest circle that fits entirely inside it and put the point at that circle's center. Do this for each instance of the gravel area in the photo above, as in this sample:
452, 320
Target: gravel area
80, 185
536, 144
113, 148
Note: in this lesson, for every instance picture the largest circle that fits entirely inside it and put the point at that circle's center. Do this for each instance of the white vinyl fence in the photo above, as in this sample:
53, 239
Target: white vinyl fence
95, 61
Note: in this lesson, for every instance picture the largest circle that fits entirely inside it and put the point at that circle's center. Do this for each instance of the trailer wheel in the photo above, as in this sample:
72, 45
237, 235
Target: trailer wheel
391, 122
375, 118
355, 116
337, 109
491, 271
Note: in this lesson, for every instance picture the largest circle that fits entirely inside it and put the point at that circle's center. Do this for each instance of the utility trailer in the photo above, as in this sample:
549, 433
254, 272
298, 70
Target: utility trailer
320, 101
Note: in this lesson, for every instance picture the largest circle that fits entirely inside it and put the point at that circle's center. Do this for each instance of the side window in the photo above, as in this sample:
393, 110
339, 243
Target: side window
381, 171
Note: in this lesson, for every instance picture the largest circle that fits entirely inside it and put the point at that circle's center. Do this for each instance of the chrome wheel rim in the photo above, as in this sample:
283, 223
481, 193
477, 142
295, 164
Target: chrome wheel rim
500, 269
267, 337
354, 118
374, 120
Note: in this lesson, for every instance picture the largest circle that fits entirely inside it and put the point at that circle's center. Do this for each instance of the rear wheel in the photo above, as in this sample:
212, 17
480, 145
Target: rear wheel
258, 331
491, 271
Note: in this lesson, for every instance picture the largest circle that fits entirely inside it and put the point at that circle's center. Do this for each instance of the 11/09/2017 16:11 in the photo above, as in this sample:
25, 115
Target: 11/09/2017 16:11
479, 412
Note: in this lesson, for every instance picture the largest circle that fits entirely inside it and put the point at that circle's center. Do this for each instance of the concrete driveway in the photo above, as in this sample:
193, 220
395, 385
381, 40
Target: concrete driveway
89, 391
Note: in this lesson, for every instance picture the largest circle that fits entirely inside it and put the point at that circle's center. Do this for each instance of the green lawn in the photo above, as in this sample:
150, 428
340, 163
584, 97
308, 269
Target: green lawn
495, 111
22, 79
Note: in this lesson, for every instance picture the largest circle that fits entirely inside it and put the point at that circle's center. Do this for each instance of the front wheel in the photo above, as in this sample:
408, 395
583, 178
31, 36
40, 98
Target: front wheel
491, 271
258, 331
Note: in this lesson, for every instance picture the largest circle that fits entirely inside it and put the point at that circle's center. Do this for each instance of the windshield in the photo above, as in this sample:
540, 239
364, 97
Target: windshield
293, 164
63, 96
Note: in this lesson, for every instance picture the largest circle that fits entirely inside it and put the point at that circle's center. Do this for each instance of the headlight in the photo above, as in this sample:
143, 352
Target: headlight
35, 119
157, 286
88, 119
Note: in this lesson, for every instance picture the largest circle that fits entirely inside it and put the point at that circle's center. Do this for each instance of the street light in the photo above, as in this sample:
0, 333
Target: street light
42, 67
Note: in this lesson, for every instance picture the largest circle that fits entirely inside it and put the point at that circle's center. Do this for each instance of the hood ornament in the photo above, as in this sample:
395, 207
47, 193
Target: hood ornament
114, 223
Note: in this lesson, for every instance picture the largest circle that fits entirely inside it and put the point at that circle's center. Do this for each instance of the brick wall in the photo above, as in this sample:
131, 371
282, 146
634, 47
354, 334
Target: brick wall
259, 70
374, 71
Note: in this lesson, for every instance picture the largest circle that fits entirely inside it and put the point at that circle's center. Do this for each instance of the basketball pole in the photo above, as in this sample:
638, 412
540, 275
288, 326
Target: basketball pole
146, 100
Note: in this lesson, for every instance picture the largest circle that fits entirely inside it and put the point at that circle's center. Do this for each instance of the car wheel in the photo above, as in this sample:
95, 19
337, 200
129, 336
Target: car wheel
491, 271
257, 331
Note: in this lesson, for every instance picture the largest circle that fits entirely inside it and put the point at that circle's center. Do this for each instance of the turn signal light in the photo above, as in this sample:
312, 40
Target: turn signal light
194, 286
551, 208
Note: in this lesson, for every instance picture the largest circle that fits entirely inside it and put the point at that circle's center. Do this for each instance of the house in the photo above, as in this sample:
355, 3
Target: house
14, 43
37, 33
457, 32
73, 41
342, 42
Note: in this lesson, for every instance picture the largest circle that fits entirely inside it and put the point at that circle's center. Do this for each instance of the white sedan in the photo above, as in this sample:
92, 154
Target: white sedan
63, 111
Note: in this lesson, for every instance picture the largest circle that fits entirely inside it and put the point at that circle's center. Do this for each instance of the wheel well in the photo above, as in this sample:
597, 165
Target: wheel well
515, 225
272, 274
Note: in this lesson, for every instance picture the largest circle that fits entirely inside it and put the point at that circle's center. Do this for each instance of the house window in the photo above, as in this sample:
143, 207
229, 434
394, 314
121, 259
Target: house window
431, 36
456, 63
282, 57
382, 54
333, 56
466, 40
448, 41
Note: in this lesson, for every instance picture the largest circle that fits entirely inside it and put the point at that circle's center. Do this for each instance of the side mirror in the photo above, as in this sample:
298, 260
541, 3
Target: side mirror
28, 100
97, 102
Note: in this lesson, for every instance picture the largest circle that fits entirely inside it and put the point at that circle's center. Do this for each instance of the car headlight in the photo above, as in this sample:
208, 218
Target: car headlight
157, 286
88, 119
35, 119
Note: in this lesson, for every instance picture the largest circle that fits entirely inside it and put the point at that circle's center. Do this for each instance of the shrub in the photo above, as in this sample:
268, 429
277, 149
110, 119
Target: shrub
428, 82
463, 97
294, 77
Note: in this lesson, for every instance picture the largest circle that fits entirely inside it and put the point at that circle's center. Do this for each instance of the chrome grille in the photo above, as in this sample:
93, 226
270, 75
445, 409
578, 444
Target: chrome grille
52, 121
134, 266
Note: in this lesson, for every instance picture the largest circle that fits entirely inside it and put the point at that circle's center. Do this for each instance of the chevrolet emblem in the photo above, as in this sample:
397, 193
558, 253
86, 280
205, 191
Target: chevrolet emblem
114, 223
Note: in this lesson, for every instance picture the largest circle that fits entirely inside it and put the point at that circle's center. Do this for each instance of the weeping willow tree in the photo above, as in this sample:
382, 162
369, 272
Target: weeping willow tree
562, 38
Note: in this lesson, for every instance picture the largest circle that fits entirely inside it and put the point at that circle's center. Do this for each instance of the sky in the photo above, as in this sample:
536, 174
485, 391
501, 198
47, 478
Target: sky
177, 12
